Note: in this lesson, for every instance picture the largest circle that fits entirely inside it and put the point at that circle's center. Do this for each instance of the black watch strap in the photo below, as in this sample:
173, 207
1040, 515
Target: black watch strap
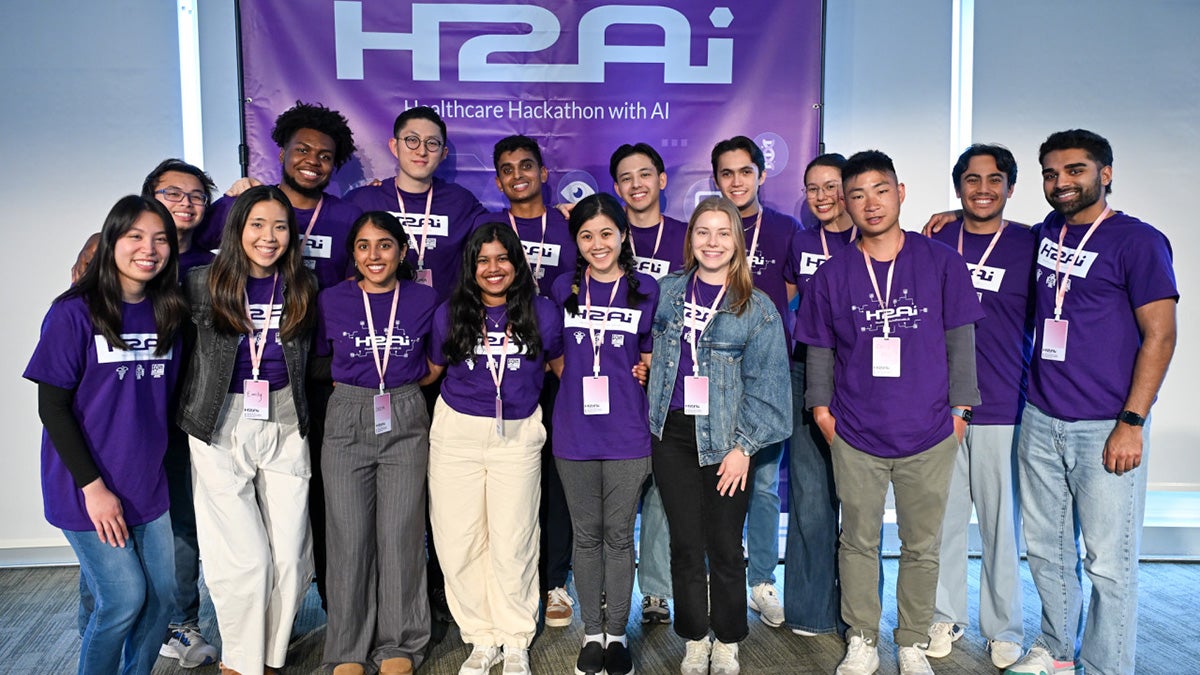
1131, 418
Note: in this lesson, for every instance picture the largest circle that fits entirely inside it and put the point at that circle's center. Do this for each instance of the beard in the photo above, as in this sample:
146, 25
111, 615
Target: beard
1088, 195
312, 193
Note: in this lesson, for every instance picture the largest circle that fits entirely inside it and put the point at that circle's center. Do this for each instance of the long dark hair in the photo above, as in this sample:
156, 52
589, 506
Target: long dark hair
466, 302
390, 224
100, 285
602, 204
227, 277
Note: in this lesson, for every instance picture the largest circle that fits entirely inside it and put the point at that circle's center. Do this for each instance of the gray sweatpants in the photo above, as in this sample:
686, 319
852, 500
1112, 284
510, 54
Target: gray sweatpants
603, 497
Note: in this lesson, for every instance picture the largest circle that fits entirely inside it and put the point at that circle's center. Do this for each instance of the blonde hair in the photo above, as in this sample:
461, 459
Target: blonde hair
739, 285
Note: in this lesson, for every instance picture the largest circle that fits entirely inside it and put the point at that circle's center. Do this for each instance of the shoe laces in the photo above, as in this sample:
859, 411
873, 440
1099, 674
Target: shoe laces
559, 596
858, 652
724, 655
913, 658
697, 653
767, 590
188, 635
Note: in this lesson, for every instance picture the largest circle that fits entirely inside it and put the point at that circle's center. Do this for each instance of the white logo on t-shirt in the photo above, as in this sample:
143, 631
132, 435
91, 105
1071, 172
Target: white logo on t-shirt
809, 262
986, 278
652, 266
1076, 262
549, 255
141, 348
620, 319
414, 224
318, 246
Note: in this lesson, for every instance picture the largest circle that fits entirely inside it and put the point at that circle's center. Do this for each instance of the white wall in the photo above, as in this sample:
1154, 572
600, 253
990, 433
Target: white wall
92, 103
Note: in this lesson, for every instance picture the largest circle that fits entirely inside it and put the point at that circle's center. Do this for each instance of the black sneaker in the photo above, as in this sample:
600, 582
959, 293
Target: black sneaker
438, 607
591, 660
617, 660
655, 610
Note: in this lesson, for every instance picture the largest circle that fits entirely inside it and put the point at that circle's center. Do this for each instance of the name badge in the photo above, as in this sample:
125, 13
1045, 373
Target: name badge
885, 357
695, 395
383, 413
595, 395
425, 278
499, 417
1054, 340
256, 399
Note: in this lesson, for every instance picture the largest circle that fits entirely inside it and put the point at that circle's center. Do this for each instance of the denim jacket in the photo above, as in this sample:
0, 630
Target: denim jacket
206, 382
746, 361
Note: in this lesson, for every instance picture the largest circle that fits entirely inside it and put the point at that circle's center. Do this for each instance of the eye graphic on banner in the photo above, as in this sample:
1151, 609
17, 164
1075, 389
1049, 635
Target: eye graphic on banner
579, 78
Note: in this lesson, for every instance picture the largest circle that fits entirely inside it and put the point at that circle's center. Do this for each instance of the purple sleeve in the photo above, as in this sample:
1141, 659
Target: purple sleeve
814, 318
550, 324
790, 260
960, 302
646, 329
1148, 269
60, 356
324, 346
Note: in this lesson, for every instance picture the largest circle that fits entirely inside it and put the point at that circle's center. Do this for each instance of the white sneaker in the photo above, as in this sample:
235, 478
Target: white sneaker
481, 660
1004, 653
941, 636
558, 607
913, 662
516, 661
862, 658
803, 633
1039, 662
765, 600
724, 659
695, 659
189, 646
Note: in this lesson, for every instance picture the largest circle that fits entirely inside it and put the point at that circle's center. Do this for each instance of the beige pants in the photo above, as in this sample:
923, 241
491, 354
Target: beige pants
484, 493
251, 495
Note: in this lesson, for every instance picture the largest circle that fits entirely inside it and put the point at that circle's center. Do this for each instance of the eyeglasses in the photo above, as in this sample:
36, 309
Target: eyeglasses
176, 195
433, 145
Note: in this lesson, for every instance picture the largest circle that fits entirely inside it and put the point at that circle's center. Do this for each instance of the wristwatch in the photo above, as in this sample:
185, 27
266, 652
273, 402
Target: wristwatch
1131, 418
964, 413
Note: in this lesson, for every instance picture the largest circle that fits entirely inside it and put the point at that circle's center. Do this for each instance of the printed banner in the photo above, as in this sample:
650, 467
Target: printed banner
581, 77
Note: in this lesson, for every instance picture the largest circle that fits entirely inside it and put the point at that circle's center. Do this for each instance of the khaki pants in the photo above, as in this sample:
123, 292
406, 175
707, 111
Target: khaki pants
251, 495
921, 483
484, 493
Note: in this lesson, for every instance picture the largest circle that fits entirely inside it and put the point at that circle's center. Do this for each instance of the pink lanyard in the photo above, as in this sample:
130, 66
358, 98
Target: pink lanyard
1065, 281
497, 373
693, 334
754, 240
884, 300
424, 226
987, 252
537, 268
853, 234
381, 366
261, 339
311, 221
597, 339
657, 239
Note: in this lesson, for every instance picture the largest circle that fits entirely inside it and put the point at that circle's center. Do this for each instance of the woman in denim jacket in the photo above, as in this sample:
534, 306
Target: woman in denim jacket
243, 405
710, 414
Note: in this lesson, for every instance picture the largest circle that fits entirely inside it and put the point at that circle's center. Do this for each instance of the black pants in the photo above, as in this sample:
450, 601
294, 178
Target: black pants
554, 560
318, 399
703, 525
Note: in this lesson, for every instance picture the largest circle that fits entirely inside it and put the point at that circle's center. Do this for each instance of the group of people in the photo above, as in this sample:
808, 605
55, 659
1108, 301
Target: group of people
422, 402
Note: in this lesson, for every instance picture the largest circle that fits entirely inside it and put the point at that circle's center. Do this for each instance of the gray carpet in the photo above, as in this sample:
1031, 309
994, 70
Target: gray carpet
38, 635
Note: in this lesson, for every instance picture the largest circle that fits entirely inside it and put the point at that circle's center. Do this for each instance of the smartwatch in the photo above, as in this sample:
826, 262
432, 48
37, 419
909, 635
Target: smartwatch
964, 413
1131, 418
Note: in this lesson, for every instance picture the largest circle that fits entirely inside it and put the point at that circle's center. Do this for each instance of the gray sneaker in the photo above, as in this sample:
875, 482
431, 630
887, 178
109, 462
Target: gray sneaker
186, 644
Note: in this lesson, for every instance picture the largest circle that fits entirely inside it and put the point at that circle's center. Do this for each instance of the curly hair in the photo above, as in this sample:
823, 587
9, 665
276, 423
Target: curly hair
318, 118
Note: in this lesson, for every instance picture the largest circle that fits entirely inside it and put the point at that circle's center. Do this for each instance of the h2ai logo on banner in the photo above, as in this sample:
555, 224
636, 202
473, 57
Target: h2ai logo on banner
544, 30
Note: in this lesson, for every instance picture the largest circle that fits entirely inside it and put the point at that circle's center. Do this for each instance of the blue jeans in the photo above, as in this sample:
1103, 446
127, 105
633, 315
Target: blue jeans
762, 517
811, 598
1066, 492
654, 546
133, 590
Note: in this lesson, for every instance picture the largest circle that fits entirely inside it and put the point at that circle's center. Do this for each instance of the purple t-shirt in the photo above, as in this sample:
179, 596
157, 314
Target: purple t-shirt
1126, 264
931, 293
343, 332
451, 220
698, 301
264, 309
324, 249
668, 257
807, 253
624, 433
557, 247
468, 387
1002, 340
192, 258
769, 257
121, 405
